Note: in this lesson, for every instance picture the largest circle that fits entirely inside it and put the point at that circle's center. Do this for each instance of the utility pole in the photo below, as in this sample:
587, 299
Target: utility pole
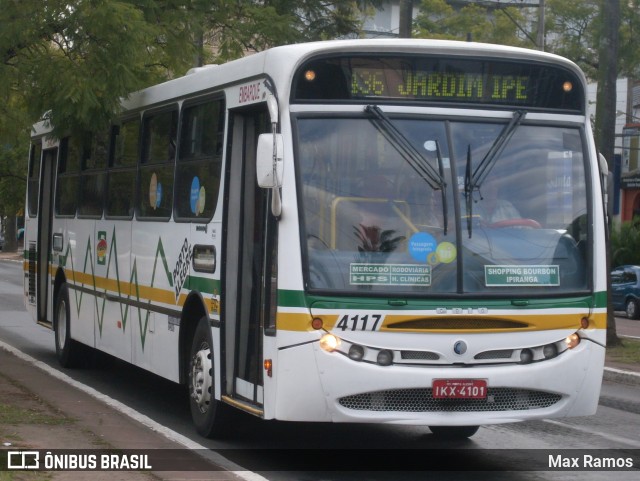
406, 18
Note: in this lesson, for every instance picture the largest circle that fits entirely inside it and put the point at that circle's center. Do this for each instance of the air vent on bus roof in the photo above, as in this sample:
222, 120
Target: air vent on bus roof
200, 69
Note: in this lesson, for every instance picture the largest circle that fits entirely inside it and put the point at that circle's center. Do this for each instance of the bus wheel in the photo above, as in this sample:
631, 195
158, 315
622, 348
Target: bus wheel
67, 350
206, 412
454, 432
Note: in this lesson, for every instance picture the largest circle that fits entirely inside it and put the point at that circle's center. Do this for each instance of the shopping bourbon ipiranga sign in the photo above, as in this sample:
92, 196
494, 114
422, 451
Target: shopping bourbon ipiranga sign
512, 276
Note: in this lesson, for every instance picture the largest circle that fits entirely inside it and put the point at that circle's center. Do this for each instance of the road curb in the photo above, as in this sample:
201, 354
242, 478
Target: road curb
621, 376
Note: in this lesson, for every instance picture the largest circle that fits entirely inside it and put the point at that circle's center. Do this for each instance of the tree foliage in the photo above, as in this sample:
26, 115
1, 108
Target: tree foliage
235, 28
446, 19
76, 59
625, 244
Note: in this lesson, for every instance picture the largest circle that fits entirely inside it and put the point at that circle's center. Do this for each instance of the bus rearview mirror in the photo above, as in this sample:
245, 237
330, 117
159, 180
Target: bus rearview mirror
269, 165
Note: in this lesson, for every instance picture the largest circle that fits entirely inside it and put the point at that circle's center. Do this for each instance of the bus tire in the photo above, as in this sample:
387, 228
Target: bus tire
67, 350
454, 432
207, 413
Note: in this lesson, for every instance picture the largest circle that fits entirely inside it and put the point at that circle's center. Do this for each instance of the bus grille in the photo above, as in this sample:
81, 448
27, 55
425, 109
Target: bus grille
455, 324
31, 261
419, 355
421, 400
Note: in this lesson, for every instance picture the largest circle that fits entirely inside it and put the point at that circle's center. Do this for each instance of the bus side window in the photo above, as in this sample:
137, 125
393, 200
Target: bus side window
93, 149
121, 183
159, 137
34, 178
66, 200
199, 160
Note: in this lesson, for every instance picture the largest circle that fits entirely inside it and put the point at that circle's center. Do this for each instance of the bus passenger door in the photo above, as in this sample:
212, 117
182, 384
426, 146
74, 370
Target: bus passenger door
43, 248
245, 274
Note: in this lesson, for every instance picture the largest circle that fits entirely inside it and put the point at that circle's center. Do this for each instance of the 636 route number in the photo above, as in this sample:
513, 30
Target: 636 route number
359, 322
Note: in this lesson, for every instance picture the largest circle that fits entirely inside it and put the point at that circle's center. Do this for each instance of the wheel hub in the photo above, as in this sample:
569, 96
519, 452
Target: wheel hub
201, 379
62, 325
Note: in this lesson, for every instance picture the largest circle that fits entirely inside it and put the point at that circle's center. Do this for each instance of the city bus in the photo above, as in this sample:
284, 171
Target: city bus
362, 231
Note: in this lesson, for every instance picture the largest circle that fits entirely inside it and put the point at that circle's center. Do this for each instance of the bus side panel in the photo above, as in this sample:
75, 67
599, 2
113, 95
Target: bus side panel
78, 248
115, 316
300, 395
30, 229
158, 250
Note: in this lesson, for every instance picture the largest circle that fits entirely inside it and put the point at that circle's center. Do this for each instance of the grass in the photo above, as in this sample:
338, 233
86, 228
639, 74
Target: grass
10, 414
628, 352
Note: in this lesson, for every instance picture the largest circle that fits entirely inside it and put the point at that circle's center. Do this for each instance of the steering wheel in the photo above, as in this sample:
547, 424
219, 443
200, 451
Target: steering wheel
531, 223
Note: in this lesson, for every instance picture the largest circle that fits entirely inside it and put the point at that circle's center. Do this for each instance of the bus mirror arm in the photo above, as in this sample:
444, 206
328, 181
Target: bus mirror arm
272, 105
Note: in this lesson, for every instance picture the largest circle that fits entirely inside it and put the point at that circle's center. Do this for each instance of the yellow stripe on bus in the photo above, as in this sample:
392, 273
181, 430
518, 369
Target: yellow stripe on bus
301, 322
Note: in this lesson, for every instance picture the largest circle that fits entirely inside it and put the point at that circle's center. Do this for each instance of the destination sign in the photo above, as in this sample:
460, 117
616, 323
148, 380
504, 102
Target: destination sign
439, 79
448, 86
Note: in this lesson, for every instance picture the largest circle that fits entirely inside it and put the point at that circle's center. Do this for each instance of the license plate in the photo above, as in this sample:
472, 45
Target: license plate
459, 388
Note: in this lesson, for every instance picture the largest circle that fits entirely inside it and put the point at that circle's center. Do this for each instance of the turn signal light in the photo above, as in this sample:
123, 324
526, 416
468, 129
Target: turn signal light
316, 323
268, 366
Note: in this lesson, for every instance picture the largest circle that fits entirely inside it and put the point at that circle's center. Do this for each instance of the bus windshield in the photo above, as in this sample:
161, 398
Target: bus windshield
471, 206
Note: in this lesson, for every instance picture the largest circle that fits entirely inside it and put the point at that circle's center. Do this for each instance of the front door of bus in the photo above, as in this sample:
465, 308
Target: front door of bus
45, 213
245, 275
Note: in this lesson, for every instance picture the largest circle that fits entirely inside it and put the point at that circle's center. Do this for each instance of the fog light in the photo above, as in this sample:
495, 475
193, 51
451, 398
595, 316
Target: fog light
572, 341
356, 352
526, 356
550, 351
385, 357
329, 342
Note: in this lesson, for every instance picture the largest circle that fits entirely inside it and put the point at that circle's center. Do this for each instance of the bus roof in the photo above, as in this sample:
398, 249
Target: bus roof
280, 63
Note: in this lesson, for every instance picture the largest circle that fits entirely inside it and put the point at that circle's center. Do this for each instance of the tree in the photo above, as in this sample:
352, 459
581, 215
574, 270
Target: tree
573, 30
576, 32
454, 20
76, 59
235, 28
605, 128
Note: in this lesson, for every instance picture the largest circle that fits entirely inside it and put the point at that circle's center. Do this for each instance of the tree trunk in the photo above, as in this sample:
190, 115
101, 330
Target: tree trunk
406, 18
605, 127
10, 243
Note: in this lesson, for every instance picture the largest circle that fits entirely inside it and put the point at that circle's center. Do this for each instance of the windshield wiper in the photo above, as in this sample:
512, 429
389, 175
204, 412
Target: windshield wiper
473, 181
433, 177
468, 192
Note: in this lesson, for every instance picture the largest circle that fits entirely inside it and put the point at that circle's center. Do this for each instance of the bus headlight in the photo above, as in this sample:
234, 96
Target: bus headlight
572, 341
329, 342
356, 352
526, 356
550, 351
385, 357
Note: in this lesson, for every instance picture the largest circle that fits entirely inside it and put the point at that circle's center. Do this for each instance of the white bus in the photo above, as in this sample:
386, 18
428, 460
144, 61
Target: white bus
379, 231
